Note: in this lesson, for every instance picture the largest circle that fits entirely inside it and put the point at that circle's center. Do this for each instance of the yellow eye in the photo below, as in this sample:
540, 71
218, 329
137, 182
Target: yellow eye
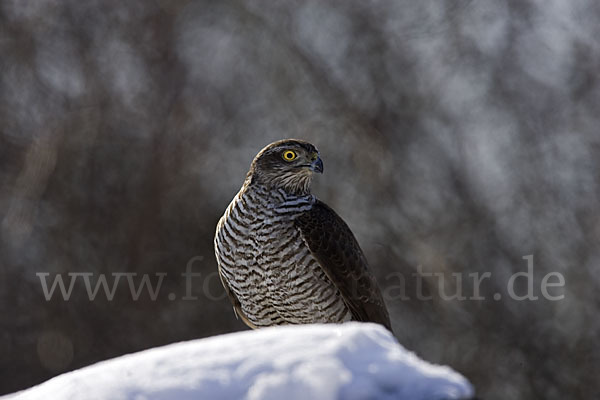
289, 155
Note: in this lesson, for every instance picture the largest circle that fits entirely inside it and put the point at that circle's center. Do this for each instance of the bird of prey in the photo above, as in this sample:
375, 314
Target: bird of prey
285, 257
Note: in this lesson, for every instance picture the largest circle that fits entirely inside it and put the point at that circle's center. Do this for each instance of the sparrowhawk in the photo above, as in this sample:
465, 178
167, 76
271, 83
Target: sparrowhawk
285, 257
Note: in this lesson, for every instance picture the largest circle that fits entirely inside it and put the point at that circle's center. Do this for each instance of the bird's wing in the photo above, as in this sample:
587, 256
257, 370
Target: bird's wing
334, 246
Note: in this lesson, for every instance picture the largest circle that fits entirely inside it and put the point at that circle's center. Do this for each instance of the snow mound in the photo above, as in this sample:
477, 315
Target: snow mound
349, 361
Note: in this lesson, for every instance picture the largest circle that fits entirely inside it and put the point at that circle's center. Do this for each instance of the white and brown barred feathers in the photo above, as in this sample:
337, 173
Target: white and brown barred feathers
285, 257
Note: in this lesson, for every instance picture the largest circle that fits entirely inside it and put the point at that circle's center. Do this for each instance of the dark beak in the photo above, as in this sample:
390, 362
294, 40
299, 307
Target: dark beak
317, 165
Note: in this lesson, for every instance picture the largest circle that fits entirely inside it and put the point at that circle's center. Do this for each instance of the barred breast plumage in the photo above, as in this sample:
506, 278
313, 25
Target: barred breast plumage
270, 253
267, 265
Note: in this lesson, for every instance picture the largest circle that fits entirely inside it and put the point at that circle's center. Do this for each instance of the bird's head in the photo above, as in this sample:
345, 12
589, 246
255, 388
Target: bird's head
287, 164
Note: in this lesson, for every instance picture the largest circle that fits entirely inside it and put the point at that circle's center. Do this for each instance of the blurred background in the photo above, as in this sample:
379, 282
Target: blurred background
457, 137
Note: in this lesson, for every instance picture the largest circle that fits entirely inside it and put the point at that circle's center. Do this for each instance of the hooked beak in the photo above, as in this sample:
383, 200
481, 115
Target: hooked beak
317, 165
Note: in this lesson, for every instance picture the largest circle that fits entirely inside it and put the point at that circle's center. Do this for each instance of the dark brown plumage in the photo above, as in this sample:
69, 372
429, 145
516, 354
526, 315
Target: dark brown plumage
285, 257
334, 246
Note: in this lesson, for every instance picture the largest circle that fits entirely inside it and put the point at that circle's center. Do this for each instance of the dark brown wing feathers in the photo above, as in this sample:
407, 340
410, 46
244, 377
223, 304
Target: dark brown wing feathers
332, 243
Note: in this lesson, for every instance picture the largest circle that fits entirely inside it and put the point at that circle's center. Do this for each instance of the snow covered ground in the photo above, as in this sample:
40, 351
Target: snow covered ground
349, 361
